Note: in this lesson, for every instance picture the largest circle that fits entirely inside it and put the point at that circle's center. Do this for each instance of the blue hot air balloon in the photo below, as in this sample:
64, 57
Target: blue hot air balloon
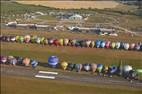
53, 61
98, 43
103, 44
34, 63
113, 69
70, 66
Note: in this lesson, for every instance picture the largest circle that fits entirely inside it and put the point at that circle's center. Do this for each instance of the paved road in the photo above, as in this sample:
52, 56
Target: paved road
69, 76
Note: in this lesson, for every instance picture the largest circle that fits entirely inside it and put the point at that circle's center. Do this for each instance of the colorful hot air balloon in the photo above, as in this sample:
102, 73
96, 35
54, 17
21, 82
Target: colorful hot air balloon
19, 59
3, 59
17, 38
26, 61
64, 65
117, 45
113, 45
105, 70
56, 42
107, 44
93, 67
66, 41
126, 46
99, 68
87, 67
103, 44
27, 38
42, 40
10, 58
113, 69
98, 43
78, 67
38, 41
33, 39
34, 63
53, 61
46, 41
126, 69
21, 39
77, 44
70, 66
50, 41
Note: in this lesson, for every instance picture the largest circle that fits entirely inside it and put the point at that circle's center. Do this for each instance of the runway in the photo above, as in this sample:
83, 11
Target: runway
67, 76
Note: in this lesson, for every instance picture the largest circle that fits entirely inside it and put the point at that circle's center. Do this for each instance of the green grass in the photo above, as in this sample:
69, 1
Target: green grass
22, 85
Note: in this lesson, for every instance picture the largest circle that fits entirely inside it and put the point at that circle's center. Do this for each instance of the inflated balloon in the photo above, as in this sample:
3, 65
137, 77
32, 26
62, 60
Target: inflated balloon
87, 67
117, 45
33, 39
38, 40
132, 46
64, 65
99, 68
56, 42
3, 59
13, 61
78, 67
70, 66
61, 41
88, 42
112, 45
53, 61
66, 41
113, 69
103, 44
137, 47
98, 43
42, 40
7, 38
77, 44
26, 61
34, 63
107, 44
50, 41
127, 68
21, 39
45, 41
12, 39
73, 42
92, 44
27, 38
93, 67
126, 46
19, 60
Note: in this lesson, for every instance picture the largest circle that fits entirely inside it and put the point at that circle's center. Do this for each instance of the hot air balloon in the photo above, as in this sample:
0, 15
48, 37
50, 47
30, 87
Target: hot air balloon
83, 43
13, 61
45, 41
105, 70
70, 66
126, 69
61, 42
21, 39
33, 39
53, 61
93, 67
3, 59
50, 41
19, 59
78, 67
122, 45
27, 38
113, 69
132, 46
64, 65
77, 44
73, 42
34, 63
98, 43
126, 46
141, 47
137, 46
132, 75
87, 67
56, 42
12, 38
117, 45
10, 58
99, 68
26, 61
113, 45
66, 41
92, 44
38, 41
7, 38
88, 42
107, 44
103, 44
42, 40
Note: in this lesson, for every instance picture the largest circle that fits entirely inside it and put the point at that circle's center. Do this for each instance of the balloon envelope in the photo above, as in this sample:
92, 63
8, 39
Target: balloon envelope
107, 44
99, 67
127, 68
3, 59
27, 38
103, 44
78, 67
117, 45
126, 46
53, 61
64, 65
70, 66
26, 61
113, 45
98, 43
87, 67
113, 69
93, 67
34, 63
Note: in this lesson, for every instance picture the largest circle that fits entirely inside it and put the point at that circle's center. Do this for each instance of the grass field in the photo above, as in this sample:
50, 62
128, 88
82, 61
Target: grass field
74, 4
22, 85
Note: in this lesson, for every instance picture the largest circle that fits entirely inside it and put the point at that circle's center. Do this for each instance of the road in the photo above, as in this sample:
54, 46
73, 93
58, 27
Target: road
69, 76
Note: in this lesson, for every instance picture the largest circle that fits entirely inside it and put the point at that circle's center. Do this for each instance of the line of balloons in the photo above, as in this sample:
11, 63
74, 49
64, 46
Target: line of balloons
126, 71
73, 42
17, 60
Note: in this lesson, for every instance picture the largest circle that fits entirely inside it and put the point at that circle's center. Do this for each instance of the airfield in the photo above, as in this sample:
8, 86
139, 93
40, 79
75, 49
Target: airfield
25, 80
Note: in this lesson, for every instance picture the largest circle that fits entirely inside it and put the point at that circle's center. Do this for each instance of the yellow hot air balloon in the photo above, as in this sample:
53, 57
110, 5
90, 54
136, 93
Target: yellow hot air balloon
64, 65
